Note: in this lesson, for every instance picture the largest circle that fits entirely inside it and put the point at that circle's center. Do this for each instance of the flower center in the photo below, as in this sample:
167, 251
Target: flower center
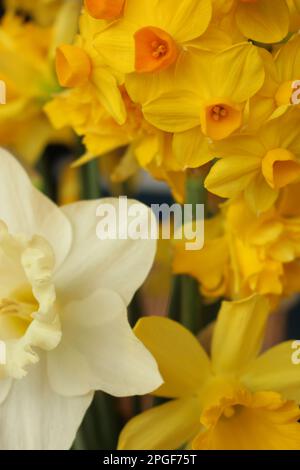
155, 50
16, 313
219, 119
159, 49
219, 112
250, 421
28, 310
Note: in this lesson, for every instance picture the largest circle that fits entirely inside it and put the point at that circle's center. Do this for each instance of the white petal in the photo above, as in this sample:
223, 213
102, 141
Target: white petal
99, 351
119, 265
26, 210
33, 417
5, 385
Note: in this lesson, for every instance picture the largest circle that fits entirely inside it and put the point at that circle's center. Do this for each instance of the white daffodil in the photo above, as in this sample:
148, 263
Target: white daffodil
63, 297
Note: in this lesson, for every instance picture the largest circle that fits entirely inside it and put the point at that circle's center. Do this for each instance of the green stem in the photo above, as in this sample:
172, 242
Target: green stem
175, 299
101, 426
90, 180
135, 310
45, 168
191, 303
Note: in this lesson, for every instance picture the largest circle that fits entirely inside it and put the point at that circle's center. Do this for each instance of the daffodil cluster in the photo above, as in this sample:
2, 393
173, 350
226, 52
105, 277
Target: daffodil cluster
246, 254
213, 85
27, 50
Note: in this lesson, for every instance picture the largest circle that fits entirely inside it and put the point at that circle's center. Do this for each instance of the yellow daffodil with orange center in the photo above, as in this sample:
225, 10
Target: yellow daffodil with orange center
279, 91
258, 165
26, 68
150, 37
209, 101
79, 66
245, 253
148, 147
234, 400
254, 19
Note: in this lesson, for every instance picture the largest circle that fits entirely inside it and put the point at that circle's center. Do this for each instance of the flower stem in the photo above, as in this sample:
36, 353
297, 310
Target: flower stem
90, 177
175, 298
191, 304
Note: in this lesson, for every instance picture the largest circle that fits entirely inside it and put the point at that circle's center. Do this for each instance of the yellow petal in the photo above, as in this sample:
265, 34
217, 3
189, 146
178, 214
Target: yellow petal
259, 195
231, 175
186, 19
243, 68
109, 94
146, 149
173, 111
73, 66
239, 333
183, 363
115, 45
275, 370
280, 168
262, 22
166, 427
191, 149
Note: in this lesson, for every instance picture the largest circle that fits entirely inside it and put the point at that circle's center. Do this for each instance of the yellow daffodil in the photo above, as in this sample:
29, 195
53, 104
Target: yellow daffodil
245, 253
258, 165
276, 96
26, 67
209, 101
264, 21
63, 321
235, 400
149, 37
147, 147
79, 66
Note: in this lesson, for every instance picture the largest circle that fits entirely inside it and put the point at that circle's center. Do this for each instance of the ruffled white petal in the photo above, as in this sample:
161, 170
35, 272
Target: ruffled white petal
99, 351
